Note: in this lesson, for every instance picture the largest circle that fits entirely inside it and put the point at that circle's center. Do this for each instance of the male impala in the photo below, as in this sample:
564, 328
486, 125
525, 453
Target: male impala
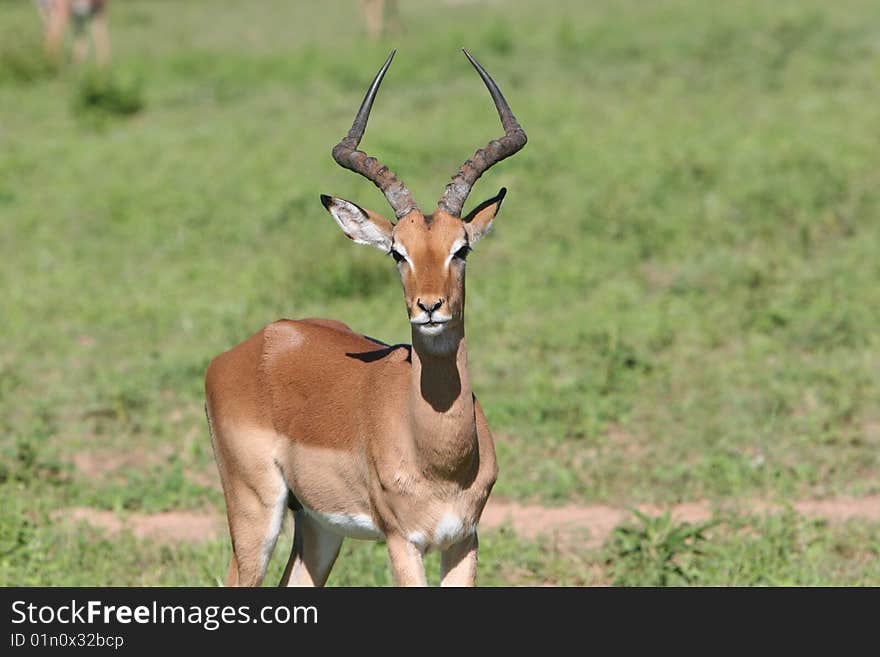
360, 438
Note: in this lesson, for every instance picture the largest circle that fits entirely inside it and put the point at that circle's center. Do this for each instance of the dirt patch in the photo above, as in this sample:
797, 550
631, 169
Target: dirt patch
168, 527
94, 464
97, 463
623, 442
842, 509
583, 526
569, 522
530, 521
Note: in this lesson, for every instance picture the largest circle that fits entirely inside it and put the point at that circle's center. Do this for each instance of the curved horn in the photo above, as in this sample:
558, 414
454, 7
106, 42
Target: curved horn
346, 154
496, 150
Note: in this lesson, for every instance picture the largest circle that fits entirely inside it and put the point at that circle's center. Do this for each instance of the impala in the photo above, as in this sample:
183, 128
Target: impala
92, 13
375, 14
359, 438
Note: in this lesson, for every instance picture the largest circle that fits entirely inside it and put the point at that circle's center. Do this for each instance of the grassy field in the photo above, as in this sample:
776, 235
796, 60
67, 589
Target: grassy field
687, 263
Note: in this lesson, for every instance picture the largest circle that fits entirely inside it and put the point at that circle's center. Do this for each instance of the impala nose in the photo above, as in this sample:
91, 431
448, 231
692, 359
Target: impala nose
429, 309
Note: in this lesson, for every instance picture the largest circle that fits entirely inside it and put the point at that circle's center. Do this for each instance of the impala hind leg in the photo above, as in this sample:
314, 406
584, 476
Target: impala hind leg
313, 554
256, 498
254, 524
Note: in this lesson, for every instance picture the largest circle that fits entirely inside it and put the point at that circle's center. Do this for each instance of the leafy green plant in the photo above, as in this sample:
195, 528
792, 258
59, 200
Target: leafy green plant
101, 93
499, 38
28, 458
656, 551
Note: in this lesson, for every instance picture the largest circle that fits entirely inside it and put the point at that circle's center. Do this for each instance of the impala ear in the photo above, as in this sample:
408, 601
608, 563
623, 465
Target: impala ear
479, 220
362, 226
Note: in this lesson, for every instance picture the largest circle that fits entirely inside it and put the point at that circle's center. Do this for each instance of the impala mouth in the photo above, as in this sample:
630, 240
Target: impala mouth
430, 325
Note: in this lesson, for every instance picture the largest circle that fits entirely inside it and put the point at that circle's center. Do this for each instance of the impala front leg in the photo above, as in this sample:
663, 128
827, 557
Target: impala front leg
406, 562
458, 564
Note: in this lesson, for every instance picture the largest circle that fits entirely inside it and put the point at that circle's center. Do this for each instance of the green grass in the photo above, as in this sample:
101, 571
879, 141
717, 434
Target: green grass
37, 547
686, 260
783, 549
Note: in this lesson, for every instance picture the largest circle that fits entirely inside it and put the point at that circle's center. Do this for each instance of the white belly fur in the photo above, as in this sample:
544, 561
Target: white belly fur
449, 529
350, 525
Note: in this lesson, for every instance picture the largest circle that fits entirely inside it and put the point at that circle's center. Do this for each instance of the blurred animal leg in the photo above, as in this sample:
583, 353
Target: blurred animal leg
58, 16
373, 10
392, 16
101, 37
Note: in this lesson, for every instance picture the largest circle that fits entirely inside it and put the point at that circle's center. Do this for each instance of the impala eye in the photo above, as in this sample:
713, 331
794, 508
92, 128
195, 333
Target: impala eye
398, 257
461, 254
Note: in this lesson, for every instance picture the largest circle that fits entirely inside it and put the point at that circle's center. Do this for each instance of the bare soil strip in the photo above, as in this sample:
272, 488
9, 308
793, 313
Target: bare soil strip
589, 525
167, 527
597, 521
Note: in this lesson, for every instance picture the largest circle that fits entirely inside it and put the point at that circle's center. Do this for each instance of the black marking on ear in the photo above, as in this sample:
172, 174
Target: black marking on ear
485, 204
327, 202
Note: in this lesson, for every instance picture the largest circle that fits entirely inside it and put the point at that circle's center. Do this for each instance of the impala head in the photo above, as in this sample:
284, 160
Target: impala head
429, 250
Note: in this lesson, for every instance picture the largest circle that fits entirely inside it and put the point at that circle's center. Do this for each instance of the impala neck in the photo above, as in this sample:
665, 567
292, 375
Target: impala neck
442, 406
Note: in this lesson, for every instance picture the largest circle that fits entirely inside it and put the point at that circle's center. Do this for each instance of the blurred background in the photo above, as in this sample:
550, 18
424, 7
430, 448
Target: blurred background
687, 260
